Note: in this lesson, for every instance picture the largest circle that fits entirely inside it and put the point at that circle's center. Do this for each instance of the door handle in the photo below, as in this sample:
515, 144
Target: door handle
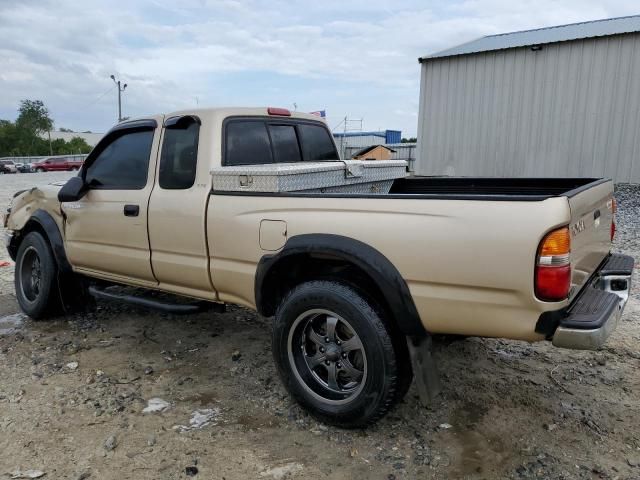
131, 210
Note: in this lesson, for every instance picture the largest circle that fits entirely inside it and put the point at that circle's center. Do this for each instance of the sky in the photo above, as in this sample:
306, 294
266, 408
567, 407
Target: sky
351, 58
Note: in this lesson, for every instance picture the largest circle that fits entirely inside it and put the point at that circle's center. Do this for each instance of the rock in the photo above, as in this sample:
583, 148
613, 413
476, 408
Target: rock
72, 366
110, 443
287, 470
151, 440
148, 370
235, 356
353, 452
550, 426
27, 474
445, 426
200, 419
155, 405
633, 461
83, 476
191, 471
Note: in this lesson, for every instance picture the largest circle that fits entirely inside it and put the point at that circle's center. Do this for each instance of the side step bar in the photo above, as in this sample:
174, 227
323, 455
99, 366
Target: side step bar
174, 308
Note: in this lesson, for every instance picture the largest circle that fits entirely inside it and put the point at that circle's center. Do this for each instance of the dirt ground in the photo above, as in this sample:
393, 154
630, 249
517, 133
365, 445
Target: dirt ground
73, 391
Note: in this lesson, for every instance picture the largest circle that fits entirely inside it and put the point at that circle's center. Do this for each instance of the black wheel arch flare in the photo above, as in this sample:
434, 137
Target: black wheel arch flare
367, 259
50, 228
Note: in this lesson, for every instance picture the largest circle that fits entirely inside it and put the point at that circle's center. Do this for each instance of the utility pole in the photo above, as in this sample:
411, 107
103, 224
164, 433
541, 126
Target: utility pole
120, 90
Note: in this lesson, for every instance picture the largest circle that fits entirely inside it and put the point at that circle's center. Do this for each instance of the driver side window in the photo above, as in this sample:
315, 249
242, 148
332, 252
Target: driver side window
123, 164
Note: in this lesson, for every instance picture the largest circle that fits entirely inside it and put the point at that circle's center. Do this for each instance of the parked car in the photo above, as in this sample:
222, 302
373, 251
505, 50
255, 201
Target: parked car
23, 167
255, 207
7, 166
51, 164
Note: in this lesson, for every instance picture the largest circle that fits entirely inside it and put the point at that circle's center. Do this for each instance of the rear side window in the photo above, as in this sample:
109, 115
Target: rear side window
123, 164
316, 143
179, 156
285, 143
247, 143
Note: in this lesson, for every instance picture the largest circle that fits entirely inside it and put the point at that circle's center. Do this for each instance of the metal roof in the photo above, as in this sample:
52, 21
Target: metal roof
561, 33
360, 134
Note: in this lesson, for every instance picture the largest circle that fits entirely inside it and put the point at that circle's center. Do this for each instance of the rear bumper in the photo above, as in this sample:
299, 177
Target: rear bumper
594, 314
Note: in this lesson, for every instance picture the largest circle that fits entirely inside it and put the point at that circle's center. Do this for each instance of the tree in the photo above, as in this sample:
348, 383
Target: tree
62, 129
23, 137
78, 145
409, 140
33, 117
8, 138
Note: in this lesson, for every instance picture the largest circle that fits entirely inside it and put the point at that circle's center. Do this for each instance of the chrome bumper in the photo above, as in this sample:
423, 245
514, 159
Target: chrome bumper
593, 317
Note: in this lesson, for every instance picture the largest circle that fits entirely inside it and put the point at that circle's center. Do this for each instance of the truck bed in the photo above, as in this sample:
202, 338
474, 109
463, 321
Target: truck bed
487, 188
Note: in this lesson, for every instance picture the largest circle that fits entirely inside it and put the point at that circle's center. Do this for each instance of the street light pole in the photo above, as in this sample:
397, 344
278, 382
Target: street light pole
120, 90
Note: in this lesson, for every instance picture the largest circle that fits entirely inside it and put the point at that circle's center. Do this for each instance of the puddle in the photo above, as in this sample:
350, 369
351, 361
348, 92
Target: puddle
250, 422
479, 452
9, 324
203, 398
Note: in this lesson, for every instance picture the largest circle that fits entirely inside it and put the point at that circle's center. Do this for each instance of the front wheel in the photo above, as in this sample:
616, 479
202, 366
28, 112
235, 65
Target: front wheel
36, 278
39, 170
336, 355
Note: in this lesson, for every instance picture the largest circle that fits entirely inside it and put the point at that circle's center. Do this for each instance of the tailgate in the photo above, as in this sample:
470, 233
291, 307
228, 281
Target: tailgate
591, 215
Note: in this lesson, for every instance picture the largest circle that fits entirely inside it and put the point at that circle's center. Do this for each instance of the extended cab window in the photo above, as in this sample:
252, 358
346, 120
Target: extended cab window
179, 154
123, 164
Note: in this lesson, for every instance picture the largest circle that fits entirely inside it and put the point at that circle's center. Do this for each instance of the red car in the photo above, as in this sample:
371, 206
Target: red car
50, 164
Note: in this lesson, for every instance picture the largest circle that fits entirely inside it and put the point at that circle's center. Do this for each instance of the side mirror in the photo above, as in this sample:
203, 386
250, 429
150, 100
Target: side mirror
73, 190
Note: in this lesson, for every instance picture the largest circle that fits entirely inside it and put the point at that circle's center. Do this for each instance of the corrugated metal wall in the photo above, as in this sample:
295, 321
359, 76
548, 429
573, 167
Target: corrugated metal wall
570, 109
392, 136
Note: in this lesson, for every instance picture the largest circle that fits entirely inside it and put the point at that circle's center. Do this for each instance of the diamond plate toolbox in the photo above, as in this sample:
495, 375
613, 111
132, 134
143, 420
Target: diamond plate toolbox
348, 176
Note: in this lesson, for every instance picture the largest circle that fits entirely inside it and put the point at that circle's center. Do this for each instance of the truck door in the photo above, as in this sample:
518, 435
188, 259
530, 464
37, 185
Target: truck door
106, 231
177, 211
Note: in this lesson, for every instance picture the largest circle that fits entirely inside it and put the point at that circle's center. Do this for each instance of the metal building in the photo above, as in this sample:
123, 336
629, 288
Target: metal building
360, 140
552, 102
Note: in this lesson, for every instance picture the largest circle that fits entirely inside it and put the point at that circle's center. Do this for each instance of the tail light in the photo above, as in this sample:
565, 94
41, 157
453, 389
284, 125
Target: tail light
553, 268
614, 209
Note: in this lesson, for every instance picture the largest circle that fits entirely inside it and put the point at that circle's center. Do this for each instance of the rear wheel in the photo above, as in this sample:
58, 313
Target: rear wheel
36, 278
39, 169
336, 355
74, 169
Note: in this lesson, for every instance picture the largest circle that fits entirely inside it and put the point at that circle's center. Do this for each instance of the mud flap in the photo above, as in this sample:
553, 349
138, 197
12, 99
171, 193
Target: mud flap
424, 368
74, 294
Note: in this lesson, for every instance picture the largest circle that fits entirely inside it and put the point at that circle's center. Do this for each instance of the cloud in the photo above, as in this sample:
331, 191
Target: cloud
354, 58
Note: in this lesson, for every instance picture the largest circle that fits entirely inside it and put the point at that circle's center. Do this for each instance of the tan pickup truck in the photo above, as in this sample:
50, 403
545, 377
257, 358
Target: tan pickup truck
357, 282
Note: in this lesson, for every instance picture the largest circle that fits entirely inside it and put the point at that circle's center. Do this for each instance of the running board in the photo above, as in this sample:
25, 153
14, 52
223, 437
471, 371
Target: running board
175, 308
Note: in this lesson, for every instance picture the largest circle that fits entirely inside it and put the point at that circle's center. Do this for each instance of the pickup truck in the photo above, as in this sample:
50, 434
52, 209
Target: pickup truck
357, 283
55, 164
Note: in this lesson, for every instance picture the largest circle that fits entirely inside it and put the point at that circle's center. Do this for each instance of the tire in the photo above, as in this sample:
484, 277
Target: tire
360, 350
36, 278
74, 169
39, 170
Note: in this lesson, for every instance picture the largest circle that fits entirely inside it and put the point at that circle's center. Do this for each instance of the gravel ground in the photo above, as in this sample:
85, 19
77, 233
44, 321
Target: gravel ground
73, 393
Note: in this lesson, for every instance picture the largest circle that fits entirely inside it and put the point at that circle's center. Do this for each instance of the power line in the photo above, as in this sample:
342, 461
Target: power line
99, 97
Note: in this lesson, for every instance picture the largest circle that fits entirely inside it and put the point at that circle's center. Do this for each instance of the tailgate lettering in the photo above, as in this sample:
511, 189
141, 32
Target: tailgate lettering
577, 227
